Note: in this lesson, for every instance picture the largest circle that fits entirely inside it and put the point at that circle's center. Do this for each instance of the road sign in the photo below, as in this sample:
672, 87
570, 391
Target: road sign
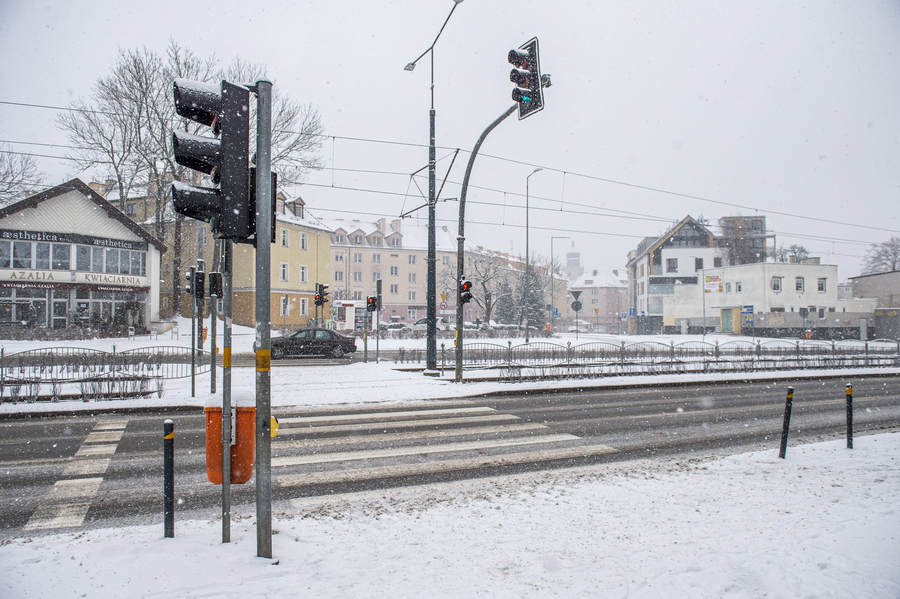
576, 294
576, 305
443, 304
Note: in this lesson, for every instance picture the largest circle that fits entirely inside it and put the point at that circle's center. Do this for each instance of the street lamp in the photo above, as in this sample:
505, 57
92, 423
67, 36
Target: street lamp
431, 259
527, 257
552, 290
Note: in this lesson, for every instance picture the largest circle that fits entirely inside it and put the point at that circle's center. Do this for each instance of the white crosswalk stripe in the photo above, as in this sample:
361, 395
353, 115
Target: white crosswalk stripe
80, 480
351, 447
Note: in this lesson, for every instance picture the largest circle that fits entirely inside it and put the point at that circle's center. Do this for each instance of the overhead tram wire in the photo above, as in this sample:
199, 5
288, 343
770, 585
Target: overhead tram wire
513, 161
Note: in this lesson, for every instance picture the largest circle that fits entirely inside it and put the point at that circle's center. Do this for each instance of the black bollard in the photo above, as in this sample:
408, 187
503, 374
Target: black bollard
849, 416
786, 427
169, 478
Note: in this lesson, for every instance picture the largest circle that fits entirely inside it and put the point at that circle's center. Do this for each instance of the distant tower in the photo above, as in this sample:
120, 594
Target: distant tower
574, 269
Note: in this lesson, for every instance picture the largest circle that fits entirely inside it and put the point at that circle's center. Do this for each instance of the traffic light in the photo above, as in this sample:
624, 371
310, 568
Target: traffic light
199, 284
229, 208
527, 77
321, 294
215, 285
371, 304
465, 292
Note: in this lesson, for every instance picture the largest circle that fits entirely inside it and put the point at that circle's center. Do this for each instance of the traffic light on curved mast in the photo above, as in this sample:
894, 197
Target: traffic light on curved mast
229, 207
528, 94
465, 292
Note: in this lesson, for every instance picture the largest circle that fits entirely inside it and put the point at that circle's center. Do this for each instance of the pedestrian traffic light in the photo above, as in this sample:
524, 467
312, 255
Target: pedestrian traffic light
229, 207
321, 294
527, 77
216, 288
465, 292
371, 304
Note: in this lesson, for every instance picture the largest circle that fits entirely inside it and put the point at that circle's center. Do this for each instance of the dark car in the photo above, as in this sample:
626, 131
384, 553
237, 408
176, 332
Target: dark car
323, 342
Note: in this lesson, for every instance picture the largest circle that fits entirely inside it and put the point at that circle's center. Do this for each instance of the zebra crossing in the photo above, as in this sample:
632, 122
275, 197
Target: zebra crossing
335, 448
67, 502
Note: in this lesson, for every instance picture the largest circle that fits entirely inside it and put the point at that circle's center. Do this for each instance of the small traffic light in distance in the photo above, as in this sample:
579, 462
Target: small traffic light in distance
528, 93
371, 304
321, 294
199, 284
226, 108
216, 288
465, 292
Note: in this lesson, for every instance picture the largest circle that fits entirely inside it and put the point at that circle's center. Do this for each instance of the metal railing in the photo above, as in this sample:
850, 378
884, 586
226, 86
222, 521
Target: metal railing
80, 373
653, 357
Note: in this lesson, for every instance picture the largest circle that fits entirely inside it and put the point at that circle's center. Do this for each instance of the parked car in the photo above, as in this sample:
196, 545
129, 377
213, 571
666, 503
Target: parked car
422, 325
323, 342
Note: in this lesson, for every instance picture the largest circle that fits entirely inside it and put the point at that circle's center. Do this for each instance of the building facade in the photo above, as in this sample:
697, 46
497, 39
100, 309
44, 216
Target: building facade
70, 259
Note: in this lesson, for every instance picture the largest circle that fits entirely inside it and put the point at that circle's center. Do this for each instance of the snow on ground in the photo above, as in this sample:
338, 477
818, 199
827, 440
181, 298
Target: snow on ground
822, 523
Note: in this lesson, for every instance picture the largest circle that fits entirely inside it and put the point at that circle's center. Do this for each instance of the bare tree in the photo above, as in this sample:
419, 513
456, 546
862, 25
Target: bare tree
19, 175
793, 253
492, 277
124, 133
883, 257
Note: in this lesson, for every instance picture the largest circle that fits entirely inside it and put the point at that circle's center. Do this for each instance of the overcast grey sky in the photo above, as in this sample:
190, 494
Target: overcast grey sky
658, 109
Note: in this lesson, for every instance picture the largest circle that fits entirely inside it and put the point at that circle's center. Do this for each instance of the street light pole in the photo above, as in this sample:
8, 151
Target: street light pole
552, 281
431, 258
527, 257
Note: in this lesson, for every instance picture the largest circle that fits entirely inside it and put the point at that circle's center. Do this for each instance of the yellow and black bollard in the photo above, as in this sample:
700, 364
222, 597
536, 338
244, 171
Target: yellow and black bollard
786, 427
169, 478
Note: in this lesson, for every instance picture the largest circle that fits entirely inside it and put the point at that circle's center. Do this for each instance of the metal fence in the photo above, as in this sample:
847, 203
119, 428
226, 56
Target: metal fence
79, 373
651, 357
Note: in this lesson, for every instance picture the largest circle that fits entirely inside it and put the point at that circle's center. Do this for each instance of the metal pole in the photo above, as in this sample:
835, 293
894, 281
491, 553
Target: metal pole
431, 259
525, 294
461, 240
786, 426
169, 478
226, 394
849, 416
213, 311
378, 318
263, 317
193, 333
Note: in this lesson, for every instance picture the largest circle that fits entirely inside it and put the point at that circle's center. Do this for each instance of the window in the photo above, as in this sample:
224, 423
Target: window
798, 284
358, 239
641, 271
304, 274
395, 288
357, 257
284, 271
776, 285
42, 256
131, 209
284, 238
777, 309
357, 276
671, 264
412, 277
339, 257
61, 253
376, 241
698, 264
395, 271
304, 241
717, 262
284, 306
376, 258
21, 254
727, 287
411, 296
339, 239
304, 306
446, 260
412, 258
821, 285
376, 276
738, 287
338, 275
357, 295
395, 242
411, 314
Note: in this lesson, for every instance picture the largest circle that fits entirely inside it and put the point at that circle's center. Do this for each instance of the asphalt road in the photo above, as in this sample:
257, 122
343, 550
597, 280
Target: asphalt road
70, 473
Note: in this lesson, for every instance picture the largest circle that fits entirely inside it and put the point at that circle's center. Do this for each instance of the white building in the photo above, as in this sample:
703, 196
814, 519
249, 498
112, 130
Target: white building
69, 258
775, 297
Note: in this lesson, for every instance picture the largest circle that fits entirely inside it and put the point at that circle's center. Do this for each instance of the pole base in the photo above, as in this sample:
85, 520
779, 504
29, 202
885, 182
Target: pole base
434, 373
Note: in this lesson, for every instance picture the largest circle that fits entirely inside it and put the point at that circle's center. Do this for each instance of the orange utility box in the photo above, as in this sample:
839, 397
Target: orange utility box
243, 452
